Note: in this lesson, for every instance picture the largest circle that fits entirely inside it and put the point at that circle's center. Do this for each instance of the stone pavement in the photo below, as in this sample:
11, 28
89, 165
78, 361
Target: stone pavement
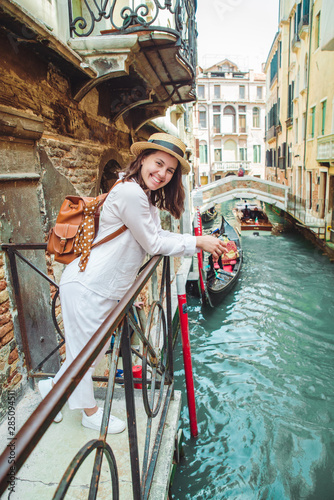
39, 476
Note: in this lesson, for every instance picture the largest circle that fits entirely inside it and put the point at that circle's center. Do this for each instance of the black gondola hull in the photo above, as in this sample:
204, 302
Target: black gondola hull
220, 285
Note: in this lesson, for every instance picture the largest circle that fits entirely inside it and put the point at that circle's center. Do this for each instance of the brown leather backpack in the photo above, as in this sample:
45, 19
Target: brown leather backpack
77, 218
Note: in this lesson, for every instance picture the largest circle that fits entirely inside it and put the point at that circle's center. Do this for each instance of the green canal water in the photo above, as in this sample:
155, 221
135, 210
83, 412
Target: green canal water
263, 365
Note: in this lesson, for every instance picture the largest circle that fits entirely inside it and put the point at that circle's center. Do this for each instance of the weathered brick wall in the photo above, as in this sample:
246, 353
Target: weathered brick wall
11, 369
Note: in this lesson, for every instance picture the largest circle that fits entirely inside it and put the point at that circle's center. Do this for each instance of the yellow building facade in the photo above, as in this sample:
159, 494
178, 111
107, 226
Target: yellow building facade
300, 111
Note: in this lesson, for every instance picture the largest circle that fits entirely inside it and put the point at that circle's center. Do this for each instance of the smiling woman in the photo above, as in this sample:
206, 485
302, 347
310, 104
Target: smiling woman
152, 181
158, 169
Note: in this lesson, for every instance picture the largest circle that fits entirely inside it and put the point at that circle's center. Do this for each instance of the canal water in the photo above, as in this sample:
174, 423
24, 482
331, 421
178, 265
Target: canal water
263, 365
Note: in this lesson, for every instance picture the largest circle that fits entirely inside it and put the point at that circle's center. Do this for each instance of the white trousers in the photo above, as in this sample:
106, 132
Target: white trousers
83, 312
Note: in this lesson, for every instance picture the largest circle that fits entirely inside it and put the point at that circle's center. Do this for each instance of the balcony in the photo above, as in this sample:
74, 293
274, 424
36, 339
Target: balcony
228, 166
295, 43
140, 57
303, 26
289, 122
325, 148
270, 134
147, 53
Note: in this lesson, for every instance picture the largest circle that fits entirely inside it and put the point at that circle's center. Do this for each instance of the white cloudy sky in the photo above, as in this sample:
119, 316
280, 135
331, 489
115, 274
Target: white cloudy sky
241, 30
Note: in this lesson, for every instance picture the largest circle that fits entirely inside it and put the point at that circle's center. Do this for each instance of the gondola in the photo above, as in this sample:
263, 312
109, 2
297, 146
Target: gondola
219, 281
209, 215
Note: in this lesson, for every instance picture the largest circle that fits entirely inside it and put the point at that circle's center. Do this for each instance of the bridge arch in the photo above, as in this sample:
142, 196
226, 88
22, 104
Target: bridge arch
246, 187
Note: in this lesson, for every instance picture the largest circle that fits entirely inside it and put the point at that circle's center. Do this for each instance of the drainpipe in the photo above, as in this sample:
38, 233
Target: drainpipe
307, 95
286, 128
277, 96
277, 119
308, 84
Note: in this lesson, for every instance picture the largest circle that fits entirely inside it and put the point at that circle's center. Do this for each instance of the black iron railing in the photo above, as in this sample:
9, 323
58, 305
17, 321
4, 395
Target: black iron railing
303, 22
295, 41
117, 17
270, 133
156, 338
310, 213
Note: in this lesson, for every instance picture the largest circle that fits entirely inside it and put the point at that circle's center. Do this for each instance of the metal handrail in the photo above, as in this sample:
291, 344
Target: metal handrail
161, 367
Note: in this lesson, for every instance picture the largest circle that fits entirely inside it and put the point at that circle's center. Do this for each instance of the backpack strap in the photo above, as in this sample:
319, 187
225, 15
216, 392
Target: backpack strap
118, 231
102, 197
83, 241
110, 236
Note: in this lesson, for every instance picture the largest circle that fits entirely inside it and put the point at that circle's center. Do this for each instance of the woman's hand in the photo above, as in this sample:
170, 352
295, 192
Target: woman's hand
211, 244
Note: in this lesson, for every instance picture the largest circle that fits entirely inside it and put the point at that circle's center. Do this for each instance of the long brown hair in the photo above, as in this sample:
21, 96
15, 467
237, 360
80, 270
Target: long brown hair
170, 197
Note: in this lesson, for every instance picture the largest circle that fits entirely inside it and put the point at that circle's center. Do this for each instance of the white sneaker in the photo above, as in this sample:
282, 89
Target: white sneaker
44, 387
94, 422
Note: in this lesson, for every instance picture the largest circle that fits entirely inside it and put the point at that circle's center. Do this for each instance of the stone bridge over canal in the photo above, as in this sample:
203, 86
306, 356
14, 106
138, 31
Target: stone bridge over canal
247, 187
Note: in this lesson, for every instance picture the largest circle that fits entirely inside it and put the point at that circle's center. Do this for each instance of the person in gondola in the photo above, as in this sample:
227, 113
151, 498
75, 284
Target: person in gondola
246, 213
214, 263
91, 288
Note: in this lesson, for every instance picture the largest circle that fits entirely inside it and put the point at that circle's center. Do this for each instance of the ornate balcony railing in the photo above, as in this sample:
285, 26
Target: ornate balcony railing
119, 17
154, 332
271, 133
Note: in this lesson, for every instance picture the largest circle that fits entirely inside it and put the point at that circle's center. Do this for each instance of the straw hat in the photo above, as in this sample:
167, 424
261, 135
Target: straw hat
167, 143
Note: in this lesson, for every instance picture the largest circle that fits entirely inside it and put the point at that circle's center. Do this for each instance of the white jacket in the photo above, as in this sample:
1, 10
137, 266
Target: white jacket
113, 266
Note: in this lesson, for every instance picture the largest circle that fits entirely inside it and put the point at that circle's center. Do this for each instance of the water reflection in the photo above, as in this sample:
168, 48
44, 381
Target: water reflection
264, 369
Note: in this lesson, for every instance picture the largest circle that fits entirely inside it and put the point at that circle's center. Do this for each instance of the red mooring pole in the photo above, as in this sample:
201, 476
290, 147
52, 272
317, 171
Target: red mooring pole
182, 300
198, 232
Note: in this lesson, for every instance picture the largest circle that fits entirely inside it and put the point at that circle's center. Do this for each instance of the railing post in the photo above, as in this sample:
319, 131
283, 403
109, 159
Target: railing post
131, 411
169, 322
182, 301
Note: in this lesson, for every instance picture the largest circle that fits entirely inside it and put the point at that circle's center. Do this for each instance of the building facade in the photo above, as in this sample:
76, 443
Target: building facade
300, 111
79, 84
229, 122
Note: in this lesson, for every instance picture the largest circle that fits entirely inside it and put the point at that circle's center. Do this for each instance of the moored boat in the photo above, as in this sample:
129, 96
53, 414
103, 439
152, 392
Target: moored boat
250, 217
222, 276
209, 215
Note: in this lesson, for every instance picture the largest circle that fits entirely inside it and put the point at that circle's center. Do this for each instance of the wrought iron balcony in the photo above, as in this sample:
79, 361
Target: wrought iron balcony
303, 26
271, 133
150, 45
119, 17
325, 148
